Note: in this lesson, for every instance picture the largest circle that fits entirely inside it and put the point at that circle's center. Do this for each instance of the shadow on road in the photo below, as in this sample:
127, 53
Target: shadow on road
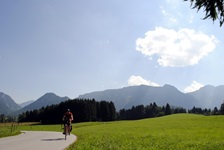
56, 139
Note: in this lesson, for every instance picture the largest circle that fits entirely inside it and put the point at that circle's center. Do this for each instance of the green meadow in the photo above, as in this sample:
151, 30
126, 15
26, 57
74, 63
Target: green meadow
182, 131
179, 131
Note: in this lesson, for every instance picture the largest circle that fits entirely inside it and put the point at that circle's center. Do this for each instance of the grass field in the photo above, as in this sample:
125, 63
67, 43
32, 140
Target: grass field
180, 131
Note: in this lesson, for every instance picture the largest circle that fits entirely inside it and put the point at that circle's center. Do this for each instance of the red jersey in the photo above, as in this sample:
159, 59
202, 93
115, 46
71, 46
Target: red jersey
68, 115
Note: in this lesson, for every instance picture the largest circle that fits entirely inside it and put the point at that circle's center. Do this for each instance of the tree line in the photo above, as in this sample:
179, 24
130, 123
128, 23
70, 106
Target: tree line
215, 111
83, 110
91, 110
152, 110
7, 118
149, 111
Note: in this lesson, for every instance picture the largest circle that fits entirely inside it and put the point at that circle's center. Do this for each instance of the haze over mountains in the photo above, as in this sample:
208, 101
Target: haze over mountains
206, 97
209, 96
26, 103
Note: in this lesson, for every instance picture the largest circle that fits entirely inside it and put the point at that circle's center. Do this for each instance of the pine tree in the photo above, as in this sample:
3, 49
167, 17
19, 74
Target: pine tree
221, 110
168, 110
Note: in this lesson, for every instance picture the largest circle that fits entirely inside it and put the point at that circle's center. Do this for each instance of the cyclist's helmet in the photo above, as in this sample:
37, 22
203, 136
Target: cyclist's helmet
68, 109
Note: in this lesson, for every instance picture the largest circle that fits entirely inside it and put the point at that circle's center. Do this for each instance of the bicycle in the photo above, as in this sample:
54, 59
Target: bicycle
67, 129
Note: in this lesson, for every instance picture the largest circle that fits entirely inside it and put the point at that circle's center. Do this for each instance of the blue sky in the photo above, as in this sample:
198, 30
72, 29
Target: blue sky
75, 47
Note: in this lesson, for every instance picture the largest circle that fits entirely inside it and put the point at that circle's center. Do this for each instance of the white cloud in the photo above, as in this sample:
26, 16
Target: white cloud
180, 48
193, 87
138, 80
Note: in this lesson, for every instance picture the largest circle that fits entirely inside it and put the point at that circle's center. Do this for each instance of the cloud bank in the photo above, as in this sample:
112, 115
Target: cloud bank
193, 87
180, 48
138, 80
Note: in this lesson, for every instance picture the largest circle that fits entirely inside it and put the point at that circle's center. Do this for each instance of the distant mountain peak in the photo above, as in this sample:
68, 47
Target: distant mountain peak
43, 101
7, 104
49, 94
169, 86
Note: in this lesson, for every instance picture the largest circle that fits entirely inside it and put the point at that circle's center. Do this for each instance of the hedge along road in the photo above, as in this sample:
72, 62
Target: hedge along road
37, 140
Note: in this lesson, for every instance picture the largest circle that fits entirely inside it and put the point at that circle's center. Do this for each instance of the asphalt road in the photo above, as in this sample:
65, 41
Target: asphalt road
37, 140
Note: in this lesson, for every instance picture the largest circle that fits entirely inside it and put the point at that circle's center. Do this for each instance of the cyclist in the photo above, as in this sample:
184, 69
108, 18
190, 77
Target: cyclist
68, 118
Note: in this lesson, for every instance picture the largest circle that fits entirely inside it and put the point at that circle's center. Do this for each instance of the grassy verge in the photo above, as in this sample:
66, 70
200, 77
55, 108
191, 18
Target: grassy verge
10, 129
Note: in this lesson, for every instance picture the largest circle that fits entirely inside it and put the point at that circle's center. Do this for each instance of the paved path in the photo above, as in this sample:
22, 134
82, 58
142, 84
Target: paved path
37, 140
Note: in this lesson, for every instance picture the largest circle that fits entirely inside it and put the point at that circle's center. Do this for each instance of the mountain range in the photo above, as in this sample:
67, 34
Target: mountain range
135, 95
206, 97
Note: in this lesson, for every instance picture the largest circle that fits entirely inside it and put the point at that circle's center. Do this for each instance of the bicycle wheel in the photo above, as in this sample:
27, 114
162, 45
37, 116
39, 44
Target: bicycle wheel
69, 130
66, 131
